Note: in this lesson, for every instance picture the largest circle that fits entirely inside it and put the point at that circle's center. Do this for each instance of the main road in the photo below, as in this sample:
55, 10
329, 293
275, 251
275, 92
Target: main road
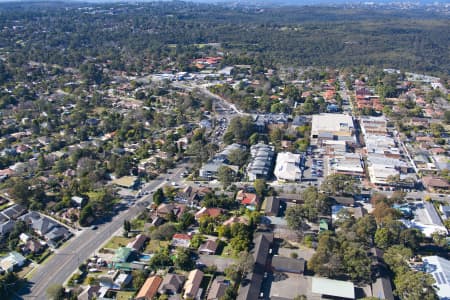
60, 266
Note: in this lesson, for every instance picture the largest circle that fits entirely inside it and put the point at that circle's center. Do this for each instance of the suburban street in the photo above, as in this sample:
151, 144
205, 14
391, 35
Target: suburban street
66, 260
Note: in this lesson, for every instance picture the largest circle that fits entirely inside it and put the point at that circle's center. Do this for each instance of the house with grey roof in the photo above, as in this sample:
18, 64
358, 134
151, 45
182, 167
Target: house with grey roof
171, 284
262, 161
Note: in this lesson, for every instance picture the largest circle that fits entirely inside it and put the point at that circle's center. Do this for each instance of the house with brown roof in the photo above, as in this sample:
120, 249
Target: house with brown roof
138, 242
166, 209
234, 220
212, 212
192, 285
435, 183
209, 247
171, 284
149, 289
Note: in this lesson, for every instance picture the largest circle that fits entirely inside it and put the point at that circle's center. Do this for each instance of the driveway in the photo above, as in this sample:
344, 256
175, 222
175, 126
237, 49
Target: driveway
219, 261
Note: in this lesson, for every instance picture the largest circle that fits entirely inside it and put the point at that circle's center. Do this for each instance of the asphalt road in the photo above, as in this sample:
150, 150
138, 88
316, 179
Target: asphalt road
66, 260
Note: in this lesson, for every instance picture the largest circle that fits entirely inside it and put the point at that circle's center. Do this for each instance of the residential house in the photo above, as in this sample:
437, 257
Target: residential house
6, 227
233, 220
166, 209
218, 288
11, 261
138, 243
122, 254
15, 211
90, 293
32, 246
213, 212
192, 285
171, 284
272, 206
247, 199
434, 184
209, 247
149, 289
181, 240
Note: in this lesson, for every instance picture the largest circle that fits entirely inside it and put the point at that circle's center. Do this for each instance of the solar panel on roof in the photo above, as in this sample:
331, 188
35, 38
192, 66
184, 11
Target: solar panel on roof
437, 278
442, 278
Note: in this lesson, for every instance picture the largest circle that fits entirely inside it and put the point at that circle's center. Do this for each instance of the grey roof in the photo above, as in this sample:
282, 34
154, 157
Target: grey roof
57, 233
14, 211
286, 264
251, 285
382, 289
272, 205
218, 288
172, 283
6, 227
435, 219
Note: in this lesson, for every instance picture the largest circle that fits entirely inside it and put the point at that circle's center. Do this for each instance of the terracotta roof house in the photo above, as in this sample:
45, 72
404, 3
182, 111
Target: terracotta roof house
149, 289
192, 285
209, 247
233, 220
247, 198
171, 284
181, 240
435, 183
213, 212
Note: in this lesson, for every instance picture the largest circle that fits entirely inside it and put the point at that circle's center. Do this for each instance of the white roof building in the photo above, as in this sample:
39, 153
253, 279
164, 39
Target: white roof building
332, 127
439, 268
287, 167
426, 219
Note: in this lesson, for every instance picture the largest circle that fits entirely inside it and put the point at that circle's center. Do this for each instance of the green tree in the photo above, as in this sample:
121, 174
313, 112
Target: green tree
294, 217
183, 259
225, 175
339, 184
415, 285
158, 196
55, 292
139, 277
260, 186
397, 258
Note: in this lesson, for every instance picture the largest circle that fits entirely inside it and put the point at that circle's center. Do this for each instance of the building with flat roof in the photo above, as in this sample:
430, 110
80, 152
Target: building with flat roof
439, 268
332, 127
333, 288
287, 167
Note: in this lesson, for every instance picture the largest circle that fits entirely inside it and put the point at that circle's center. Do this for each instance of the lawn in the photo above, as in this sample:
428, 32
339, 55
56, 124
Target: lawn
154, 246
117, 241
122, 295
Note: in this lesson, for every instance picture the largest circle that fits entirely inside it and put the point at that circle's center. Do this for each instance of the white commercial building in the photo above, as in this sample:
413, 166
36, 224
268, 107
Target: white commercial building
439, 268
332, 127
287, 167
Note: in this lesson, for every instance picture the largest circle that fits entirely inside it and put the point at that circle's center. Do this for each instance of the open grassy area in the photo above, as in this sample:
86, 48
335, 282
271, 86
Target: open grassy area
154, 246
117, 241
122, 295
